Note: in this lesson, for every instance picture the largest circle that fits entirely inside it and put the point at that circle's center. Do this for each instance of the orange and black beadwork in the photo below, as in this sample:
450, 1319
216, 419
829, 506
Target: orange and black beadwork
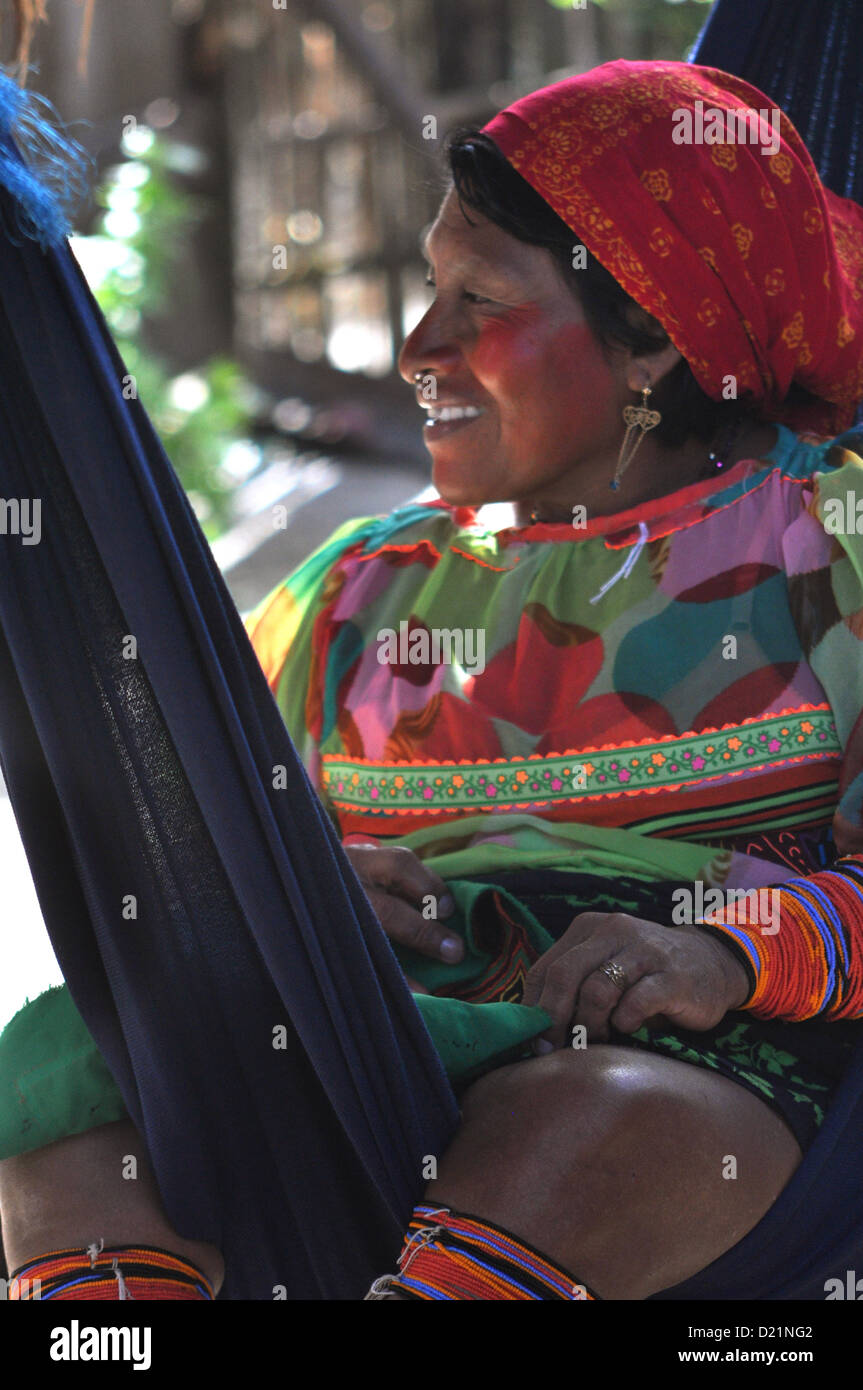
451, 1257
136, 1272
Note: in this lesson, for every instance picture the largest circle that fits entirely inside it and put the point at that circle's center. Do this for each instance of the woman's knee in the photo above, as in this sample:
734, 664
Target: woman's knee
616, 1163
90, 1187
527, 1129
593, 1089
611, 1114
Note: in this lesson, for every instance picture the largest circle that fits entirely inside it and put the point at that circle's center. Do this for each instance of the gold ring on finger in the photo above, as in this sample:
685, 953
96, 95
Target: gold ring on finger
615, 973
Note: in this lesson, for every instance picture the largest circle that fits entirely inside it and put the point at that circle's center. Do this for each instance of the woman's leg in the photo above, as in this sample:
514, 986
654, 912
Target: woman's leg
630, 1170
81, 1190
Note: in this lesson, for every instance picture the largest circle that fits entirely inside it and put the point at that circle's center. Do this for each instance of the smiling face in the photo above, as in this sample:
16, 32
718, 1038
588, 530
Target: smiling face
507, 342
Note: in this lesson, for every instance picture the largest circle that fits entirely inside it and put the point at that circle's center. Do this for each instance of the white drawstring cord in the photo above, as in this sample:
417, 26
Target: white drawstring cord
122, 1290
627, 566
94, 1250
420, 1239
423, 1237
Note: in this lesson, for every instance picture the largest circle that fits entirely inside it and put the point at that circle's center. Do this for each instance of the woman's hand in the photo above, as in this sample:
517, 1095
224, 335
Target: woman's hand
400, 887
678, 974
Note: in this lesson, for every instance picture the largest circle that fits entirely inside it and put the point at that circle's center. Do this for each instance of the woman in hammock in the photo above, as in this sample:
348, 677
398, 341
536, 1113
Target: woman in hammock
648, 348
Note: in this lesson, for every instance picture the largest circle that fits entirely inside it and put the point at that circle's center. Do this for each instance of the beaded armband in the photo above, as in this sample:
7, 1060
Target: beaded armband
140, 1272
804, 959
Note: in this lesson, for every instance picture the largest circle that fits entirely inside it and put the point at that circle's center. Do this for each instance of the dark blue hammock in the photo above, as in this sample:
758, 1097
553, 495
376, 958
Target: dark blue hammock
807, 55
151, 776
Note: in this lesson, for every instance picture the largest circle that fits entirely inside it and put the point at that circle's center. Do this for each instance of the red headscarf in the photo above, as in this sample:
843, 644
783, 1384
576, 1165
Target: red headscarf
751, 265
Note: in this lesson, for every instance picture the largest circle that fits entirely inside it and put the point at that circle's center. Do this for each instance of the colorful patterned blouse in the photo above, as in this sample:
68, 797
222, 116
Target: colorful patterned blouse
675, 691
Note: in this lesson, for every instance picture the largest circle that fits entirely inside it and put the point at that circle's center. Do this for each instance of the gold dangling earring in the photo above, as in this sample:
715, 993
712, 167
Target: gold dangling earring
635, 417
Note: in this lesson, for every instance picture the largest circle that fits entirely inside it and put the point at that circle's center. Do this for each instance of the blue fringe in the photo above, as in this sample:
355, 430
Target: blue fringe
43, 169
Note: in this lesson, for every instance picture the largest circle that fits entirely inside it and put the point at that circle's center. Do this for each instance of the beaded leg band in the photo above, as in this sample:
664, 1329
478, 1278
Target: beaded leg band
452, 1257
121, 1272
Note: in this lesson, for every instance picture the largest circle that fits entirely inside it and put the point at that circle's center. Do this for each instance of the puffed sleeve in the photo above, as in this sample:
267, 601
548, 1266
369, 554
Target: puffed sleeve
285, 631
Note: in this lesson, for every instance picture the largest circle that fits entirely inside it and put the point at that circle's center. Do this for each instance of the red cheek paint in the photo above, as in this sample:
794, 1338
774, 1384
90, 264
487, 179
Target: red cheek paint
519, 357
516, 335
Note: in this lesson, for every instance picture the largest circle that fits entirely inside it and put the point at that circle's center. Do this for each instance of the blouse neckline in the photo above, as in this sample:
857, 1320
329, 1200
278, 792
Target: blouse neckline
669, 512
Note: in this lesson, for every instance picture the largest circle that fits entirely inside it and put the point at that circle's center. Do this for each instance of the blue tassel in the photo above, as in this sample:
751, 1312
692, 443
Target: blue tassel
42, 168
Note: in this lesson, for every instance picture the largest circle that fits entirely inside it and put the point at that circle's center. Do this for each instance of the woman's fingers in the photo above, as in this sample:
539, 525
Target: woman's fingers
587, 927
612, 970
400, 871
562, 985
600, 996
410, 901
646, 1002
569, 981
580, 929
402, 923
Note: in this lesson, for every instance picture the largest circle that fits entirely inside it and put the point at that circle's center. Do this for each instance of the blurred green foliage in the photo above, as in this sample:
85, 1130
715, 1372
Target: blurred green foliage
631, 5
198, 414
672, 25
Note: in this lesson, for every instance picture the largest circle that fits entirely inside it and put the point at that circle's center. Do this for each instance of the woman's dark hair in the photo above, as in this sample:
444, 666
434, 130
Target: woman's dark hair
487, 183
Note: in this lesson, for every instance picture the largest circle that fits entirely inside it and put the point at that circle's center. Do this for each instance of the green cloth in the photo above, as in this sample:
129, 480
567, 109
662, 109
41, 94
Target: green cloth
53, 1079
471, 1038
470, 921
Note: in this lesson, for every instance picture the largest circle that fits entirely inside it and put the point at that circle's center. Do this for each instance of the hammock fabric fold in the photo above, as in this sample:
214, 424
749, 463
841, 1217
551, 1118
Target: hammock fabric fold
212, 933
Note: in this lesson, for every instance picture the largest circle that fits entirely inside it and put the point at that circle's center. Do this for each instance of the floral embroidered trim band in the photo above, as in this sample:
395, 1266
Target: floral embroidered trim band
519, 782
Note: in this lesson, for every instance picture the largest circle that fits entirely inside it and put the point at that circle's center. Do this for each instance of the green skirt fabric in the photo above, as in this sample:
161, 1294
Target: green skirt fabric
53, 1079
